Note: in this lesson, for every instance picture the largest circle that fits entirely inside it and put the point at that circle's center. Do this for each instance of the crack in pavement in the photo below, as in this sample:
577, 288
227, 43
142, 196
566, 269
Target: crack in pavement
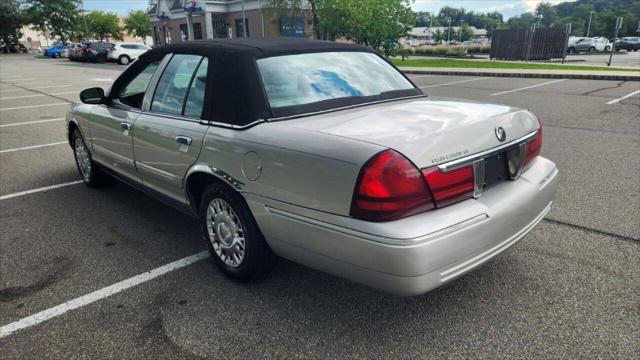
592, 230
603, 88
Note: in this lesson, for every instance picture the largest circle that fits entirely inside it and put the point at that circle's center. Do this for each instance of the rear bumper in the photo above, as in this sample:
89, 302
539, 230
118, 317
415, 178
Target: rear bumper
416, 254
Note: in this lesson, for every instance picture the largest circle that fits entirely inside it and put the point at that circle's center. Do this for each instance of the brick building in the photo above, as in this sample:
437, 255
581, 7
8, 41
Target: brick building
220, 19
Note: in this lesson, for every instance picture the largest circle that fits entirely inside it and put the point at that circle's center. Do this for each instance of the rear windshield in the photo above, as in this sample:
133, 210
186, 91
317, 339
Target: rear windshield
302, 79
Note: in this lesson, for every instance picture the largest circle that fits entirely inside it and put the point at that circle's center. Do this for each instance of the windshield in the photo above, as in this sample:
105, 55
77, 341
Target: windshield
301, 79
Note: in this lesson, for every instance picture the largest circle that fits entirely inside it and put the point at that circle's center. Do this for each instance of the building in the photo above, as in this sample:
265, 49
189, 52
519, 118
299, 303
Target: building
421, 35
220, 19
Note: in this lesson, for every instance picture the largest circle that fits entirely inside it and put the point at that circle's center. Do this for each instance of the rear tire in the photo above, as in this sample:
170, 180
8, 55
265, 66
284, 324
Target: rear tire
101, 59
233, 238
89, 171
124, 60
592, 49
572, 50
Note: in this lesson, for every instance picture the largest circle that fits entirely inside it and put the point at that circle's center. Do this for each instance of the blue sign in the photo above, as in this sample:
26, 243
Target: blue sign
292, 26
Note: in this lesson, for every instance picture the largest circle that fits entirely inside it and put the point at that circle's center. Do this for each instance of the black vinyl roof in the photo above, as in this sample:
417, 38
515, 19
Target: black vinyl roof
264, 47
234, 85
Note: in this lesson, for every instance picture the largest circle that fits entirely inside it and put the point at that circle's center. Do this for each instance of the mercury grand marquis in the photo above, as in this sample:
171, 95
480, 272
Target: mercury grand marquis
319, 152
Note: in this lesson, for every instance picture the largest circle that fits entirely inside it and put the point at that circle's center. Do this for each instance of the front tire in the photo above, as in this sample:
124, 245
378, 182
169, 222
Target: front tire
90, 172
233, 238
572, 50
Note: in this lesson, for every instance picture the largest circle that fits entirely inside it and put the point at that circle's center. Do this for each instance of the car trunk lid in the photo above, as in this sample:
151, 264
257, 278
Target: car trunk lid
427, 131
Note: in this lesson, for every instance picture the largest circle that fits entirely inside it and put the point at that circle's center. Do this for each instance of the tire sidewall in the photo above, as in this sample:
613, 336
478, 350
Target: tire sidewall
253, 238
124, 60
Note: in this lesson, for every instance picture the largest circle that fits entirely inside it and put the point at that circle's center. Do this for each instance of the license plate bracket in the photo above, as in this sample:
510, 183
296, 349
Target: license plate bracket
496, 169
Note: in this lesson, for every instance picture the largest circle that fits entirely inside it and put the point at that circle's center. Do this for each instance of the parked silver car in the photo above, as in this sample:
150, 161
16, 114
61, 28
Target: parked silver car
319, 152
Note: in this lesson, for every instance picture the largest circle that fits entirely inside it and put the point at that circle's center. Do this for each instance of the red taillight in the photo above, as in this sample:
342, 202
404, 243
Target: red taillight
450, 187
89, 51
390, 187
532, 148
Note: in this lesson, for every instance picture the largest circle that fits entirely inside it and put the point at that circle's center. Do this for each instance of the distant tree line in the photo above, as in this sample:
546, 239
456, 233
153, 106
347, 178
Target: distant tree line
64, 20
603, 17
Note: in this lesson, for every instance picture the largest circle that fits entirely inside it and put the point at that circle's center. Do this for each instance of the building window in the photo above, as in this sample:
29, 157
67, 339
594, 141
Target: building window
239, 27
197, 32
219, 28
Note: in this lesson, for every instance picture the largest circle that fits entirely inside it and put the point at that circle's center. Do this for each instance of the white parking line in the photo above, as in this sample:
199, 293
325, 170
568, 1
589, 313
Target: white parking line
622, 98
42, 189
528, 87
38, 95
33, 106
48, 87
453, 83
31, 122
32, 147
100, 294
12, 90
19, 79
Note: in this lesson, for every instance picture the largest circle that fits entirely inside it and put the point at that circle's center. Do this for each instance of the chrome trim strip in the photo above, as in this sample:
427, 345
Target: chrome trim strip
468, 160
156, 171
344, 108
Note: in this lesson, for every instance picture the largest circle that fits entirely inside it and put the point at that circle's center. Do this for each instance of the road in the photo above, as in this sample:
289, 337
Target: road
569, 289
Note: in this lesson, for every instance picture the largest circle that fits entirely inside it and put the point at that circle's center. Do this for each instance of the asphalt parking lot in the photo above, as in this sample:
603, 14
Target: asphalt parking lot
568, 290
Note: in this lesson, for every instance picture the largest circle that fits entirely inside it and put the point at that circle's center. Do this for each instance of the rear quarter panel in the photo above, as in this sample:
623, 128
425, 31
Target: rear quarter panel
295, 166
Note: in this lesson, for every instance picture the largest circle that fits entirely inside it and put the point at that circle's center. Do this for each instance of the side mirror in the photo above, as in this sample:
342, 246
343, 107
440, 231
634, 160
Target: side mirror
94, 95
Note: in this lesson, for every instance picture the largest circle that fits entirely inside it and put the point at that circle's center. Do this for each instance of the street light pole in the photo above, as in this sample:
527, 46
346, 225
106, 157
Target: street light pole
460, 30
589, 26
244, 22
449, 35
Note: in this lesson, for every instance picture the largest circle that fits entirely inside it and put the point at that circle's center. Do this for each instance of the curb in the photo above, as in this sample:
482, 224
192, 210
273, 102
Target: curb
617, 77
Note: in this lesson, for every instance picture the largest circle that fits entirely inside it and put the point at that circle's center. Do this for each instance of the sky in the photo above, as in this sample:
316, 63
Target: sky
508, 8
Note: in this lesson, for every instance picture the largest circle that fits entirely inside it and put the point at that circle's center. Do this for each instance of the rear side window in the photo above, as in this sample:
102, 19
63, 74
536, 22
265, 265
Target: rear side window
195, 98
129, 46
174, 84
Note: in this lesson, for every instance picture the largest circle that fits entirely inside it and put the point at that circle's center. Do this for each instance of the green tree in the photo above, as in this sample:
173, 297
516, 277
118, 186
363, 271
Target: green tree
103, 24
137, 24
467, 33
523, 21
10, 22
375, 23
439, 36
546, 14
57, 18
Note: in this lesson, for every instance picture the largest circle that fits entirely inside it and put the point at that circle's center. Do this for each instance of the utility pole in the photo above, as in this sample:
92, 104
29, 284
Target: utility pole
589, 26
244, 22
613, 47
84, 17
449, 36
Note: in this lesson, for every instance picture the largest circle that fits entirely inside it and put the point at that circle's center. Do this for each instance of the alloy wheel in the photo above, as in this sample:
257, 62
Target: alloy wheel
226, 232
83, 159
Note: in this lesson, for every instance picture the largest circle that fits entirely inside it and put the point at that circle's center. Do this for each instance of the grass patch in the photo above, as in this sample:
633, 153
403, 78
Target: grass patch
484, 64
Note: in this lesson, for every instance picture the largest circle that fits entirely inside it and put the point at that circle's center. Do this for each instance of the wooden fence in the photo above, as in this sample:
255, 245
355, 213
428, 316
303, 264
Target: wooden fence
530, 44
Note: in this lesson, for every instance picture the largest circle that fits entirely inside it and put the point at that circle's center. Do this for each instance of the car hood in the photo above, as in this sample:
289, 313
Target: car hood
428, 131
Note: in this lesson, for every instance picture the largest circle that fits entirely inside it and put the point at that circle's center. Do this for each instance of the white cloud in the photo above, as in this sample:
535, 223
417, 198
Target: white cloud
498, 8
530, 5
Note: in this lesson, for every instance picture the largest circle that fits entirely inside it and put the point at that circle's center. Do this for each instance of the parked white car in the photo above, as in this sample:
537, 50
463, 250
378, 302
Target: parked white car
602, 43
124, 53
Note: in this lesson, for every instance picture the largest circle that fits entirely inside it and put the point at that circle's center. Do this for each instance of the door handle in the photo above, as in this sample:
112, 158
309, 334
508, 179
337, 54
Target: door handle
125, 126
183, 140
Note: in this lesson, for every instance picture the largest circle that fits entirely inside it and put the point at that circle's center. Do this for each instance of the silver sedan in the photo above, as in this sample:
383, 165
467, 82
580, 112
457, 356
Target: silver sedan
321, 153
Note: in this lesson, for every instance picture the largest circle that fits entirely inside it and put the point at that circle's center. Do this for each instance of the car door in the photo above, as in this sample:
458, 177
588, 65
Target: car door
112, 125
169, 134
